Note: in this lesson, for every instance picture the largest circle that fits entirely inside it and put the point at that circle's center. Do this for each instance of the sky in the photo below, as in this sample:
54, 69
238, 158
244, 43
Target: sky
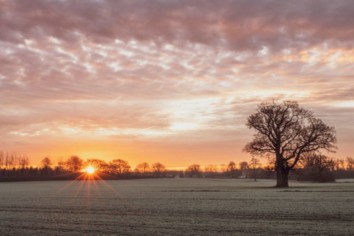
168, 81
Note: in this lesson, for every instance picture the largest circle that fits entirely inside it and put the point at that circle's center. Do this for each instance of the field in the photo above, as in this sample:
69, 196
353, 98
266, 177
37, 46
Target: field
176, 207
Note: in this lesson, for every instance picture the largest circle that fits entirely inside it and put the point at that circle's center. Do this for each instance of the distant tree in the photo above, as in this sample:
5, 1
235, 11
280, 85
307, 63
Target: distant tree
120, 166
254, 164
350, 163
231, 169
194, 170
46, 163
317, 167
9, 161
211, 171
317, 160
340, 164
74, 163
23, 162
286, 131
143, 167
99, 165
244, 169
45, 166
158, 168
243, 165
211, 168
60, 166
231, 166
1, 159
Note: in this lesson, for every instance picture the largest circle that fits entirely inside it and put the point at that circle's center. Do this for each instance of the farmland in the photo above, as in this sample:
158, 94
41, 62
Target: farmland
176, 207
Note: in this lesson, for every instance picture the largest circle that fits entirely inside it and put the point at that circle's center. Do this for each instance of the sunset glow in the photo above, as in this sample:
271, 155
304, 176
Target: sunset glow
167, 81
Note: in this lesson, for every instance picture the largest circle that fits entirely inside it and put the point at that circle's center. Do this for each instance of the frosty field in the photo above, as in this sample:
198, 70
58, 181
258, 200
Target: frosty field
176, 207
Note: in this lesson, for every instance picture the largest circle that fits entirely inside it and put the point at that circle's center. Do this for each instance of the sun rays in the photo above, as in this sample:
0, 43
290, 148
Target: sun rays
89, 170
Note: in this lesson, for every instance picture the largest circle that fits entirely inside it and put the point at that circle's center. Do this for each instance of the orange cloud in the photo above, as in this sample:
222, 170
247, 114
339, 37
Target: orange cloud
167, 81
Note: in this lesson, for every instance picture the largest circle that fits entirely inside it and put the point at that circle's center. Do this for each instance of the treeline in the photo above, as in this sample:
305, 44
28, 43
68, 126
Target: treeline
14, 167
311, 167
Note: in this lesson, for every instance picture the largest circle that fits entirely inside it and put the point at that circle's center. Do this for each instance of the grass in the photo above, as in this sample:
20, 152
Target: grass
176, 207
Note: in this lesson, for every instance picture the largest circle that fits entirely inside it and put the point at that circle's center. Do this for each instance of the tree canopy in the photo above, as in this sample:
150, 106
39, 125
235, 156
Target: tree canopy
286, 131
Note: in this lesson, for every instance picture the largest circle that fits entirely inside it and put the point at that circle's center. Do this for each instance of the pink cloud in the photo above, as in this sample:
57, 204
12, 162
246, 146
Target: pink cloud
186, 72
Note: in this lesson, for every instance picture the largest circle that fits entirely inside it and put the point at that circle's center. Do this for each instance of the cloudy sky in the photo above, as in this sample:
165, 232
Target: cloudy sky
169, 81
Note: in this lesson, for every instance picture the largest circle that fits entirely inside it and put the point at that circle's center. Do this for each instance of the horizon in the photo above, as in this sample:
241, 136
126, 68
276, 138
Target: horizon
55, 161
169, 82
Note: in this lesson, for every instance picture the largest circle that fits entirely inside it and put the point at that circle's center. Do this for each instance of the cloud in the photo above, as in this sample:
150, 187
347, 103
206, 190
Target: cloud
169, 71
240, 25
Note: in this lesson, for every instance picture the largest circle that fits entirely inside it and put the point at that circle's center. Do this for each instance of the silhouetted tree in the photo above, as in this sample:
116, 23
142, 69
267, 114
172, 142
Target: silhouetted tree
74, 163
244, 169
142, 167
9, 161
210, 171
317, 167
194, 170
59, 169
231, 169
1, 159
46, 163
286, 131
350, 163
99, 165
120, 166
340, 164
45, 166
231, 166
254, 164
211, 168
23, 162
158, 168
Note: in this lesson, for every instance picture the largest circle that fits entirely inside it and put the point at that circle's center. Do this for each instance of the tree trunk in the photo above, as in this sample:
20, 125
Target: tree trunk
282, 177
255, 174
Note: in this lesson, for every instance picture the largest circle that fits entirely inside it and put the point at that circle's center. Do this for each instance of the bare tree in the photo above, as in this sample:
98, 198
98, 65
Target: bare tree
98, 165
243, 168
231, 168
317, 167
194, 170
350, 163
142, 167
254, 164
211, 168
74, 163
286, 131
23, 162
60, 166
243, 165
340, 164
120, 166
9, 161
158, 168
46, 163
1, 159
317, 160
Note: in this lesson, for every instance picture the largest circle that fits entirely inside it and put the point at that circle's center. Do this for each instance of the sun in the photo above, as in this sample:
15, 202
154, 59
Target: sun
90, 170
